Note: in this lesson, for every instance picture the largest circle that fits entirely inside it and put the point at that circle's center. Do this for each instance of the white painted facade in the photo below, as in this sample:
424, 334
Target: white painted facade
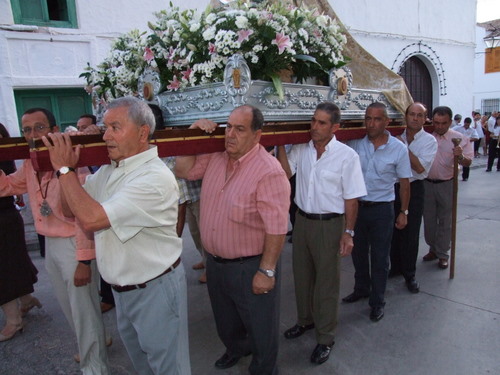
391, 30
55, 57
388, 29
486, 86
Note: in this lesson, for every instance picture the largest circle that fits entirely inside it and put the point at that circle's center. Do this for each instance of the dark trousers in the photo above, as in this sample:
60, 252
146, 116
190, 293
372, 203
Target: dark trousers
245, 322
493, 152
404, 249
106, 293
372, 245
465, 173
293, 207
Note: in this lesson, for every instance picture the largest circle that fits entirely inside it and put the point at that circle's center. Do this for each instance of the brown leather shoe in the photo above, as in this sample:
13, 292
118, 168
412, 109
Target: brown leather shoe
429, 256
443, 264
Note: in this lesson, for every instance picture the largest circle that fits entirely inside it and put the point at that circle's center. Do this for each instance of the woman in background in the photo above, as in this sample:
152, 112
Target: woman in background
17, 272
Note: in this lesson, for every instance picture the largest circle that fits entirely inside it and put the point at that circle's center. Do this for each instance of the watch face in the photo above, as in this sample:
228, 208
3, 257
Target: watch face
64, 170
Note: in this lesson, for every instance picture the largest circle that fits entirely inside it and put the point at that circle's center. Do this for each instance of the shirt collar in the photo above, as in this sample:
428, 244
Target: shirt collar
328, 146
132, 162
245, 157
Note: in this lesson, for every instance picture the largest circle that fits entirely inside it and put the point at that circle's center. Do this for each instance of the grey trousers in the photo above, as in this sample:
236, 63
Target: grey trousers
316, 271
153, 325
437, 217
80, 305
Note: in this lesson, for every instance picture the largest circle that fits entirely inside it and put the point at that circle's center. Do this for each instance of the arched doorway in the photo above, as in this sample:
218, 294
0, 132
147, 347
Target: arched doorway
418, 80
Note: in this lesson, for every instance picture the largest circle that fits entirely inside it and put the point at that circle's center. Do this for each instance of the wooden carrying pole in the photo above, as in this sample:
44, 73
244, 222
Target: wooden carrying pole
456, 142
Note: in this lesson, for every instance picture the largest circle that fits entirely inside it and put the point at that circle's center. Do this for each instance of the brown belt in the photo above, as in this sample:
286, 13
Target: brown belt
127, 288
327, 216
437, 181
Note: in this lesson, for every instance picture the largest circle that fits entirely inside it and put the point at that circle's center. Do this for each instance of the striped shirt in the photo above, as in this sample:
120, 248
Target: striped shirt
237, 211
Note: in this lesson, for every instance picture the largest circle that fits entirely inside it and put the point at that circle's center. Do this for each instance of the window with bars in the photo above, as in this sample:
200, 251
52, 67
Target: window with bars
490, 105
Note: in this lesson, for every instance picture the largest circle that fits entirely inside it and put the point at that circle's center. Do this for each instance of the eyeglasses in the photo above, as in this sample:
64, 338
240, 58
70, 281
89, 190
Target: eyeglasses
37, 129
418, 115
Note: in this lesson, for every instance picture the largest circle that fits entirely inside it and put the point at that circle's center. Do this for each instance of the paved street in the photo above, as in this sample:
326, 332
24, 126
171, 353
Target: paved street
450, 327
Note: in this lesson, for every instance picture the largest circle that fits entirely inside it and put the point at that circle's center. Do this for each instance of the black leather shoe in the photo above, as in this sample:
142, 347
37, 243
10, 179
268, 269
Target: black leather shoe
226, 361
321, 353
413, 285
354, 297
377, 313
297, 331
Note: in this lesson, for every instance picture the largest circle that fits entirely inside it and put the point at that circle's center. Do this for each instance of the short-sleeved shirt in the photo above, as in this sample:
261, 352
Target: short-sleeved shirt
140, 197
424, 147
236, 212
25, 180
382, 167
442, 167
323, 184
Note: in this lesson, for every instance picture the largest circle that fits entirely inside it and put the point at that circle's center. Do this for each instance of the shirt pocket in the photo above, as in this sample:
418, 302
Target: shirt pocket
385, 167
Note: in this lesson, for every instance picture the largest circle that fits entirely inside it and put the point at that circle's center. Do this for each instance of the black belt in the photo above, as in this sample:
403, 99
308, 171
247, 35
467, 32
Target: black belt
370, 203
437, 181
319, 216
234, 260
127, 288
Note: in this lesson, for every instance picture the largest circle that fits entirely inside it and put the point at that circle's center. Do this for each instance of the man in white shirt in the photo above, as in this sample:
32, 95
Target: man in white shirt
131, 205
477, 125
471, 133
329, 183
422, 148
456, 121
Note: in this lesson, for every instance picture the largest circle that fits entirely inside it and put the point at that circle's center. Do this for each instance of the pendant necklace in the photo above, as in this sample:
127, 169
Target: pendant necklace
45, 209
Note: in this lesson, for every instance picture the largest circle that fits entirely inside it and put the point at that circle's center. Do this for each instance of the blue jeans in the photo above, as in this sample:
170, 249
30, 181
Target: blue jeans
370, 256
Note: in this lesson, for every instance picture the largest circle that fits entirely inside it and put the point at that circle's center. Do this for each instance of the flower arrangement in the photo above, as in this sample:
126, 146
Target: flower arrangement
189, 49
118, 74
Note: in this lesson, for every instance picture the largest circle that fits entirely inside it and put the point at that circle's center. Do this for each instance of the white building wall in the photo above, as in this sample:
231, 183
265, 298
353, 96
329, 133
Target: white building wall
486, 86
54, 57
386, 28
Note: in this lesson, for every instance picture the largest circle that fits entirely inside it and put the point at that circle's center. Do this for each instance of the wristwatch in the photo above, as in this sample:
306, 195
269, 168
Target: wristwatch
268, 273
350, 232
86, 262
64, 170
404, 212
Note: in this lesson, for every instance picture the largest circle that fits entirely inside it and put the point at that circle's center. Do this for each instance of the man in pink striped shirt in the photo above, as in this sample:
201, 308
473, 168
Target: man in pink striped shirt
244, 217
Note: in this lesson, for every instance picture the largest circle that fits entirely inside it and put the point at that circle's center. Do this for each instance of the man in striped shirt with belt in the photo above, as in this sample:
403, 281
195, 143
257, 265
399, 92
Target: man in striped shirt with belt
244, 218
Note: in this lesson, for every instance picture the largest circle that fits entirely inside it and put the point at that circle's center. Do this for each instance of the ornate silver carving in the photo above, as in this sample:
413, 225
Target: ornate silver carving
341, 96
237, 79
216, 101
149, 84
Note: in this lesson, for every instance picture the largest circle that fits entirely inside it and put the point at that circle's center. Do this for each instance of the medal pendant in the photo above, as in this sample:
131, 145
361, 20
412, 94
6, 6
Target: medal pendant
45, 209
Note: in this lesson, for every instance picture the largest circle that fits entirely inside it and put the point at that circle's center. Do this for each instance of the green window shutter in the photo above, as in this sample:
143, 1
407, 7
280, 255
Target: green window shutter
52, 13
31, 9
67, 105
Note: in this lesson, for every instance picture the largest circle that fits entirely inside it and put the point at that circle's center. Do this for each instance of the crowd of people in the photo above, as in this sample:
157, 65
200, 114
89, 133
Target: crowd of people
122, 221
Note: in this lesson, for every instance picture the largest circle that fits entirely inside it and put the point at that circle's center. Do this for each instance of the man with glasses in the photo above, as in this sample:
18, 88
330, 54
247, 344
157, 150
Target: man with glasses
79, 304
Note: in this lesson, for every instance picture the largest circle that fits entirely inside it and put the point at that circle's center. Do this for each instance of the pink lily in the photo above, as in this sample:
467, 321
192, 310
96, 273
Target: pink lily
175, 84
282, 42
244, 35
148, 54
187, 73
211, 48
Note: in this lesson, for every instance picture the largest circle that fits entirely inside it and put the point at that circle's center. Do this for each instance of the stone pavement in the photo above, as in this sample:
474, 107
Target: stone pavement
450, 327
